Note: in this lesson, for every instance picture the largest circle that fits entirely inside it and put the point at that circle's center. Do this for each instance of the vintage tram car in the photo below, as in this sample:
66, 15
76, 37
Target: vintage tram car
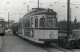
39, 26
2, 27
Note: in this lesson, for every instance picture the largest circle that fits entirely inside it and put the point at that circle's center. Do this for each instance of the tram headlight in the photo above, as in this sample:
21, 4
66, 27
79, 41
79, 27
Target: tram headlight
51, 35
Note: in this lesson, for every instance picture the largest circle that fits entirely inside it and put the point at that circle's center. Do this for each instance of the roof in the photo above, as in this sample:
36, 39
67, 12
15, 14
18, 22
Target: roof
37, 11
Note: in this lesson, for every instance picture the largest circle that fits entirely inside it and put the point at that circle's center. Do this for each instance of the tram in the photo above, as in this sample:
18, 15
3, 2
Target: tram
2, 27
39, 26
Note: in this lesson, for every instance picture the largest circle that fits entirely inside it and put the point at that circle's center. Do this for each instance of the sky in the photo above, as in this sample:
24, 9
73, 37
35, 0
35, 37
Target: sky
18, 8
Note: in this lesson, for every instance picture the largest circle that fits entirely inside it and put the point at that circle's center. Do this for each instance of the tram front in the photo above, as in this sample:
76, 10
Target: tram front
47, 31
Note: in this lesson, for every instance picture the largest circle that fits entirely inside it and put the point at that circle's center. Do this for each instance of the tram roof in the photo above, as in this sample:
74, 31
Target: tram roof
37, 11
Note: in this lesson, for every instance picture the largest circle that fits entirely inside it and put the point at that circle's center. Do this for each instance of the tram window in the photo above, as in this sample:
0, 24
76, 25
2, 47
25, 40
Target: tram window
27, 23
24, 24
20, 25
50, 23
31, 21
1, 25
42, 22
55, 23
36, 22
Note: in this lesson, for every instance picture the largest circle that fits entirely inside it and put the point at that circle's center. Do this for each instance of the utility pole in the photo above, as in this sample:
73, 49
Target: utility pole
8, 20
68, 18
38, 3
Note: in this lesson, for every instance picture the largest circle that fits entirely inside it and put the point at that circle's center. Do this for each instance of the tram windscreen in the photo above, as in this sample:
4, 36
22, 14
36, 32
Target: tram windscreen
47, 23
42, 22
50, 23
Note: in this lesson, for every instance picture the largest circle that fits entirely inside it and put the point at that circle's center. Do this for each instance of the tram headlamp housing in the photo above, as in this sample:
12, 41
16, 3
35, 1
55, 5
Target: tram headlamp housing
51, 35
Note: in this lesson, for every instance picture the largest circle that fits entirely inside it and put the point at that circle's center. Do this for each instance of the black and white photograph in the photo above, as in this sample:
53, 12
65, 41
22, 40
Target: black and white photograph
39, 25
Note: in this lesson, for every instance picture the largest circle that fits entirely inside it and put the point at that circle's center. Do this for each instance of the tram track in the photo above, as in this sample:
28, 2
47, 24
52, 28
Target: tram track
60, 48
53, 48
49, 48
45, 47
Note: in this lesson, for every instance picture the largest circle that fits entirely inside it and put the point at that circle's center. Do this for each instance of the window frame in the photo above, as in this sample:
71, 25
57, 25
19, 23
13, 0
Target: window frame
36, 22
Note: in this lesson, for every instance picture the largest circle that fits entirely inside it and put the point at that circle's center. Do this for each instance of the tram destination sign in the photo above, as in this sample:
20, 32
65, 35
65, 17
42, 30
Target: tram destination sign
50, 16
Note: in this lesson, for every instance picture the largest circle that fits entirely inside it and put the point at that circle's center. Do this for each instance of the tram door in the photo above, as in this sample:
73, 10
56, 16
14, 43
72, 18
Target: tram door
36, 25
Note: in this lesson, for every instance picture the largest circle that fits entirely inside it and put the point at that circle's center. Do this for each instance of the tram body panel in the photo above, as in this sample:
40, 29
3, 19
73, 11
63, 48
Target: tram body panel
30, 35
39, 34
46, 34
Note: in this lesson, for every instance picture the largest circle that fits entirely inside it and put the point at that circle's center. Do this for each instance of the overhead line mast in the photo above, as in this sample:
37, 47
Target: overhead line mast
38, 3
68, 17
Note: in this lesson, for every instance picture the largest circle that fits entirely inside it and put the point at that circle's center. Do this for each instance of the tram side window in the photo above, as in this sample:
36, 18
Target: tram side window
24, 24
20, 25
31, 21
1, 25
55, 23
36, 22
42, 22
27, 23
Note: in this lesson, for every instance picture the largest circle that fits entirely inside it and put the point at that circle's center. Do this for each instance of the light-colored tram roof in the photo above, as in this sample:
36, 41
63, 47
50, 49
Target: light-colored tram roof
38, 11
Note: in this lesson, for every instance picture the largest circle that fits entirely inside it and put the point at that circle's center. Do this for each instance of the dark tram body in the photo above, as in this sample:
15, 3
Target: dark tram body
2, 27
